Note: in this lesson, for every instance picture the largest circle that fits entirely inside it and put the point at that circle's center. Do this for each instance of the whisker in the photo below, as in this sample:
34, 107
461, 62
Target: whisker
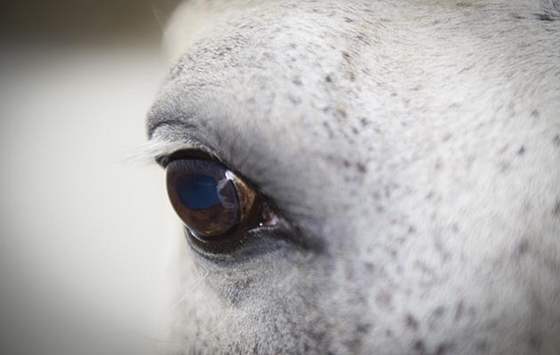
158, 16
139, 335
212, 330
193, 287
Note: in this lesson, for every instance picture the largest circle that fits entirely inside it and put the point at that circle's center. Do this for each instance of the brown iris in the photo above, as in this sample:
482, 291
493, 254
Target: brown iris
210, 200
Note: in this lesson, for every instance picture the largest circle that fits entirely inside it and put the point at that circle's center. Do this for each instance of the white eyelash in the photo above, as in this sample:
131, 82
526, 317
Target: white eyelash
149, 151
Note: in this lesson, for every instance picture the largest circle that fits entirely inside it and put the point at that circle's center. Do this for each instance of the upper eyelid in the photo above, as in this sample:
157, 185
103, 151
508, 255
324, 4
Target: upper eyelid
156, 125
187, 153
158, 149
149, 152
170, 137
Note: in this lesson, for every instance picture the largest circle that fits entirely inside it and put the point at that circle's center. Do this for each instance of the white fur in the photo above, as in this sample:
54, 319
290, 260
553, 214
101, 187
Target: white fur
415, 141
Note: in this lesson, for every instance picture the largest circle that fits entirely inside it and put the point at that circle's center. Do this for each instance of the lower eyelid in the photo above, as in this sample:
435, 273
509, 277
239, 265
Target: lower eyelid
256, 241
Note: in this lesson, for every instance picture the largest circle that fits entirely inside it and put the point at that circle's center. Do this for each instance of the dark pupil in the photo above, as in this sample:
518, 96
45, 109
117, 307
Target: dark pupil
198, 191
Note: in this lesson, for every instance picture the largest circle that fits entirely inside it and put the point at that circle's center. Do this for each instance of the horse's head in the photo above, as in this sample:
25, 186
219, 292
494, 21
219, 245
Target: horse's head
377, 177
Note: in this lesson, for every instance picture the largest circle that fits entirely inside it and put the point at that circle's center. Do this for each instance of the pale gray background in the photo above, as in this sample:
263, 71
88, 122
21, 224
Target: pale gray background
81, 227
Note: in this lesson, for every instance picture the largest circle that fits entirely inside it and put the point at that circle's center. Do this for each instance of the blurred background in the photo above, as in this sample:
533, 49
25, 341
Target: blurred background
82, 227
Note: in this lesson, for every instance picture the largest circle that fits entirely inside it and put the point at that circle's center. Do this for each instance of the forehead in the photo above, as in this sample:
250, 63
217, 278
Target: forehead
372, 58
356, 87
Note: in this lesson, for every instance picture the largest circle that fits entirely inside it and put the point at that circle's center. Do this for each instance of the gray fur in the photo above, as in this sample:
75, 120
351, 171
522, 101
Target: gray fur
415, 145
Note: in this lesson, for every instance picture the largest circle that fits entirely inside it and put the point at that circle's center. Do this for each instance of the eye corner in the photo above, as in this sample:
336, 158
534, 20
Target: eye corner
162, 160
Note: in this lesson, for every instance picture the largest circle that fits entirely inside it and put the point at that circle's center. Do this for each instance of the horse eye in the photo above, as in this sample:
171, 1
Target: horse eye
211, 200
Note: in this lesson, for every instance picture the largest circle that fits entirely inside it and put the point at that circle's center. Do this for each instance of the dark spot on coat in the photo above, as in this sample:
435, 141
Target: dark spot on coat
342, 113
535, 114
460, 310
556, 140
504, 166
362, 168
354, 345
419, 347
362, 38
294, 100
535, 341
545, 17
439, 311
328, 79
346, 55
522, 248
363, 328
521, 150
329, 129
317, 337
517, 17
482, 346
411, 322
384, 299
556, 211
444, 348
349, 273
297, 81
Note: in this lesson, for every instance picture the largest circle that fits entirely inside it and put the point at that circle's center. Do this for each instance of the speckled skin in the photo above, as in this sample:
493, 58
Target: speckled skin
416, 147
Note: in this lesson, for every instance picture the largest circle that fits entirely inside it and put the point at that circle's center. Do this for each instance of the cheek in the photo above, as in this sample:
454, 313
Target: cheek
189, 313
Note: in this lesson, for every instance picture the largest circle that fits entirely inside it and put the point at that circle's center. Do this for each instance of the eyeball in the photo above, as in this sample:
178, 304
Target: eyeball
211, 201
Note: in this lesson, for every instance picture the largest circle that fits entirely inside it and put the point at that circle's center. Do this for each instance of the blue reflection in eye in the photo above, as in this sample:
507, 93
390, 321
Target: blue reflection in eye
198, 191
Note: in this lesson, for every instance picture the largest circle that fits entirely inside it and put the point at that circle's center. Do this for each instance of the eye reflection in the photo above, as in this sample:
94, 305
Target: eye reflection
199, 192
210, 200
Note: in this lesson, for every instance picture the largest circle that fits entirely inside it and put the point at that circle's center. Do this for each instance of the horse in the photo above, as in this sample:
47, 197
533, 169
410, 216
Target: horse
362, 176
